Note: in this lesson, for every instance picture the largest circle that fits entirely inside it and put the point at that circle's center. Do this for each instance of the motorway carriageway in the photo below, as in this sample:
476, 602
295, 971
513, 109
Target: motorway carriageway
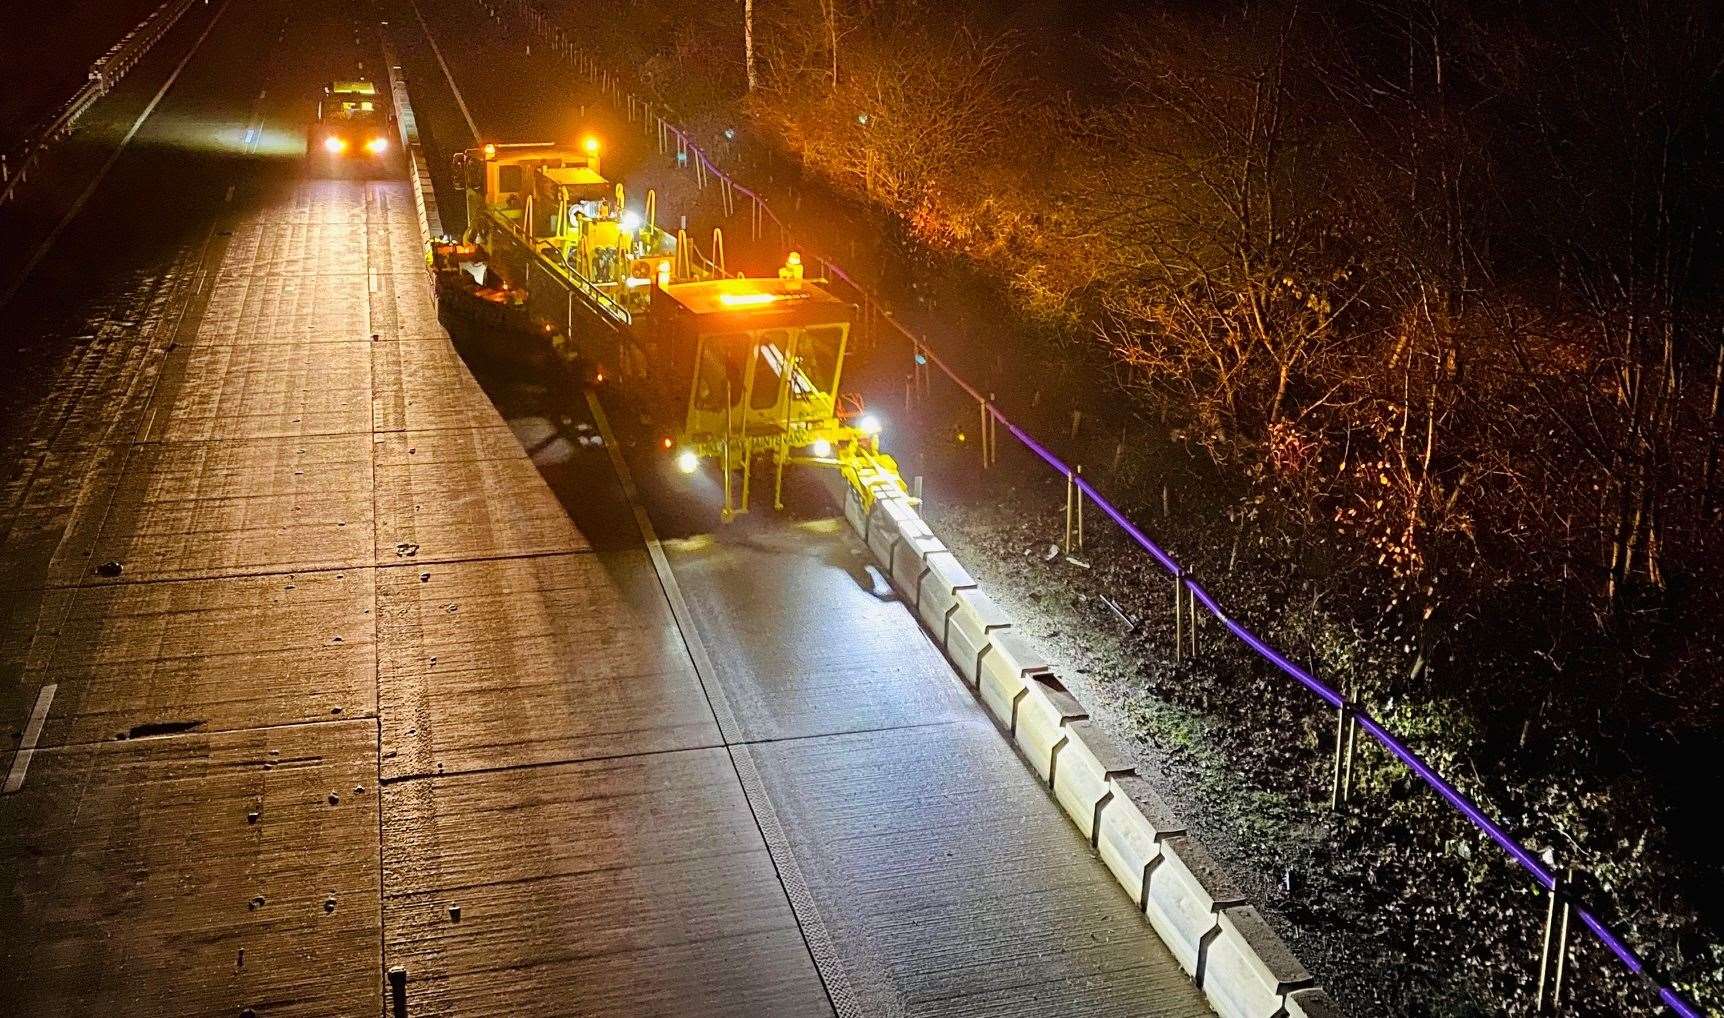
362, 695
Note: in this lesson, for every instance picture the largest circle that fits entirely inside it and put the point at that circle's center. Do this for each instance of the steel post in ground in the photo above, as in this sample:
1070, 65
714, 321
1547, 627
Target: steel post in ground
398, 991
983, 408
991, 426
1553, 956
1178, 615
1071, 489
1352, 749
1191, 603
1343, 732
1079, 493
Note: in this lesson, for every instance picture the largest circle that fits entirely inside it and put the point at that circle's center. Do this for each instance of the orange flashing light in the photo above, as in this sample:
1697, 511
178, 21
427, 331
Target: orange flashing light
745, 300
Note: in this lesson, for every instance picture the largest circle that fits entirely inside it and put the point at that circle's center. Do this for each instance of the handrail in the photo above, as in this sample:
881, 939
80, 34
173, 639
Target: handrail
1630, 959
606, 304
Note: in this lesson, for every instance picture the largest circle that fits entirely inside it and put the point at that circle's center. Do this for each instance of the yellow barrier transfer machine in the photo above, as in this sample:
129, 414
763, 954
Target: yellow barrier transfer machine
731, 369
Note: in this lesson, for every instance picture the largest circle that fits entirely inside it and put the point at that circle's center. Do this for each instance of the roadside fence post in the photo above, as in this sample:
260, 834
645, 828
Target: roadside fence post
1178, 615
1346, 735
1077, 491
1553, 959
1071, 489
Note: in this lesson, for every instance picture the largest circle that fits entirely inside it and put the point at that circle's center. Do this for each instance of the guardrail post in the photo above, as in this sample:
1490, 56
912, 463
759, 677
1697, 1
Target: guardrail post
1079, 493
1071, 489
985, 458
1191, 603
1346, 736
1178, 614
1553, 959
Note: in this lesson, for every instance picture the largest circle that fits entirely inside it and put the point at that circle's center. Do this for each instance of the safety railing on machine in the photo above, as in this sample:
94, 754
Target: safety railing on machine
1564, 904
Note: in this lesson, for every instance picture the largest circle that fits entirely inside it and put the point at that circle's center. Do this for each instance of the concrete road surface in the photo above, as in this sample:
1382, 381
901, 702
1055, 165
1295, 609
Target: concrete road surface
311, 674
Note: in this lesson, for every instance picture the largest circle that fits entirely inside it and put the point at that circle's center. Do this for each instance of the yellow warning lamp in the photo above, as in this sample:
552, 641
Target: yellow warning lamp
791, 274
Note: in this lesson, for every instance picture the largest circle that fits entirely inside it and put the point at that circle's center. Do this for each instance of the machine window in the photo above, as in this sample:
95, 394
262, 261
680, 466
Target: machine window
768, 369
817, 356
719, 367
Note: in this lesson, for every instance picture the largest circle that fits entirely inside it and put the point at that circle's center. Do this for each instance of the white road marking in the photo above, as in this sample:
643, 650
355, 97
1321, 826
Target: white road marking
101, 174
450, 78
32, 732
373, 273
816, 937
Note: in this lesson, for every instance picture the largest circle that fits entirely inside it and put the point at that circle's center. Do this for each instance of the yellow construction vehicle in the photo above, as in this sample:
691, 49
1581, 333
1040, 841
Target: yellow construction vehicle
353, 121
730, 369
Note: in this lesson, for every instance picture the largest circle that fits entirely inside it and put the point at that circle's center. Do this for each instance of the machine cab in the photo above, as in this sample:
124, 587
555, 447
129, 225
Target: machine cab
760, 359
353, 121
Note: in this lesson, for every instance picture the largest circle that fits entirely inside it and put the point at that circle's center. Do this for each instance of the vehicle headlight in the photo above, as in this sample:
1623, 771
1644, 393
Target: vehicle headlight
821, 448
870, 425
687, 461
334, 145
377, 146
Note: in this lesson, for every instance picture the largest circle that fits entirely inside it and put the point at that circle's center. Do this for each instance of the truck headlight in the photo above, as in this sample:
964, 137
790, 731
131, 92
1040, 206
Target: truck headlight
687, 461
870, 425
334, 146
377, 146
821, 448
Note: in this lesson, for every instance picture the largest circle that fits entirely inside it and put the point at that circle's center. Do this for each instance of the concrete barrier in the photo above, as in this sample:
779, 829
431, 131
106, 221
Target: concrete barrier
943, 577
1312, 1003
1083, 774
1186, 894
1134, 823
1247, 971
1039, 723
1006, 671
1244, 969
970, 629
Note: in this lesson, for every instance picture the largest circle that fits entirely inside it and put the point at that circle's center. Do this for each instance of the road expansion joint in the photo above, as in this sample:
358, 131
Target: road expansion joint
535, 765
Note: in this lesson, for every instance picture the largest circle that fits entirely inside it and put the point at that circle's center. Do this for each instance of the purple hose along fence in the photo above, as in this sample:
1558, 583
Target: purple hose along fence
1467, 808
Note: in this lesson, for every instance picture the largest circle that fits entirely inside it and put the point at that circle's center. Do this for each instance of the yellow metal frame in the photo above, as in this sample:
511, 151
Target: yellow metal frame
796, 421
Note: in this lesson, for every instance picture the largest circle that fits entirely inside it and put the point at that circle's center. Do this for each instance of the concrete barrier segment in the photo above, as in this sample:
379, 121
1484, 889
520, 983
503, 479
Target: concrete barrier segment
1312, 1003
1187, 892
1004, 680
908, 560
937, 593
1132, 826
882, 536
1248, 971
970, 630
853, 513
1084, 772
1039, 727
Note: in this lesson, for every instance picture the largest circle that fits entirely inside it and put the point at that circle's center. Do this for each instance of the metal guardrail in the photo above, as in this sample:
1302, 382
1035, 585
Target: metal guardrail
1562, 899
105, 73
